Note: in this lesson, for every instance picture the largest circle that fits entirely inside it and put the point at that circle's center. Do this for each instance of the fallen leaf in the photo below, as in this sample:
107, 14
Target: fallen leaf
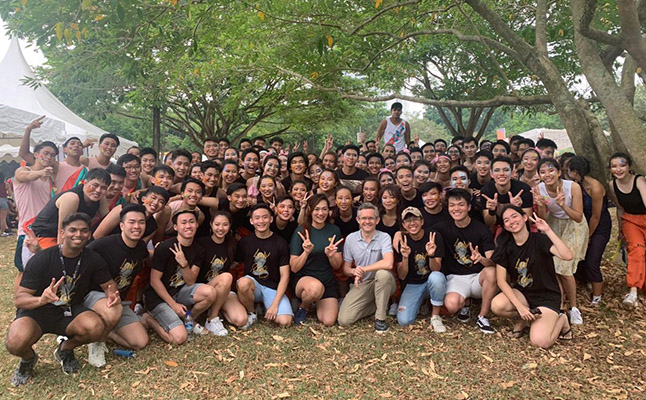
385, 395
586, 356
487, 358
462, 396
171, 363
531, 365
507, 385
283, 395
278, 338
241, 374
135, 384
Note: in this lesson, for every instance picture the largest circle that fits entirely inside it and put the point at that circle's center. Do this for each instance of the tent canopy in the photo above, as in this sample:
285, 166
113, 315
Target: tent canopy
21, 104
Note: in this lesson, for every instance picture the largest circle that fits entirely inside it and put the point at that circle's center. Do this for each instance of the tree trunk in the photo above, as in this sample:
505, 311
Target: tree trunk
618, 107
156, 129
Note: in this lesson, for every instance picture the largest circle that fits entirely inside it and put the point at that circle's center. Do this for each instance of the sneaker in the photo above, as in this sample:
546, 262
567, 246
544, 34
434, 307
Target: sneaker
484, 325
25, 371
596, 300
199, 330
575, 316
630, 300
60, 339
464, 314
437, 325
392, 311
295, 303
300, 316
5, 234
67, 359
251, 319
214, 325
96, 354
381, 326
139, 309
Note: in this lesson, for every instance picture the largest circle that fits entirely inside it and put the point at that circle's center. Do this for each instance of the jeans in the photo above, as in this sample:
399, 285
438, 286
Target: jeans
413, 296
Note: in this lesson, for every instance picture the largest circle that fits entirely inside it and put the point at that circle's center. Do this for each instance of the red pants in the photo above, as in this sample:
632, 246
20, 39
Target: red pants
634, 230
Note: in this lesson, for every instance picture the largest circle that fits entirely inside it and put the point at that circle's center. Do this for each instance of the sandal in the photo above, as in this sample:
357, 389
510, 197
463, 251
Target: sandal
517, 334
567, 335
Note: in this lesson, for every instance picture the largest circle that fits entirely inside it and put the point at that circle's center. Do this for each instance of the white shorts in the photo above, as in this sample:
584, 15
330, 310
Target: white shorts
467, 286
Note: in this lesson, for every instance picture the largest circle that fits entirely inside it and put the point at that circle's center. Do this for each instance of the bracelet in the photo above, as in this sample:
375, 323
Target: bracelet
492, 213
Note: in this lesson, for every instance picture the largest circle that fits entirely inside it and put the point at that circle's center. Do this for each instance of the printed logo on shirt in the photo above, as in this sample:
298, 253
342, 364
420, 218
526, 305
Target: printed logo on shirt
524, 279
177, 280
66, 291
420, 264
461, 252
125, 273
259, 267
217, 264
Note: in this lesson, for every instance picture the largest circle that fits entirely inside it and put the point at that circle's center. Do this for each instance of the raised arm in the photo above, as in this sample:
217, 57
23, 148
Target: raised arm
24, 151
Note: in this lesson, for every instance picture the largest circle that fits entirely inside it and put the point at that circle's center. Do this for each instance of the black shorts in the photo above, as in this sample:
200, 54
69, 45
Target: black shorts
331, 289
51, 319
551, 302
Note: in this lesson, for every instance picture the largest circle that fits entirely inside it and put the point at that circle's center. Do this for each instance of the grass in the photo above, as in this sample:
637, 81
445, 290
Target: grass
605, 360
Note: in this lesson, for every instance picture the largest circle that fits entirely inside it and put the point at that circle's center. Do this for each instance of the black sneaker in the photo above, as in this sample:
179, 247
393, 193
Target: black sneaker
381, 326
484, 325
25, 371
300, 316
464, 314
67, 359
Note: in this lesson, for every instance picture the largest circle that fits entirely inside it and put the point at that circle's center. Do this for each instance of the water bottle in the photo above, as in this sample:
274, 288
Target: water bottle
189, 325
125, 353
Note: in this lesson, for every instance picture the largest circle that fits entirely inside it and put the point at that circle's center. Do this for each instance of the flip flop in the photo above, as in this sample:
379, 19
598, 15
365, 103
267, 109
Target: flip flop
519, 333
567, 335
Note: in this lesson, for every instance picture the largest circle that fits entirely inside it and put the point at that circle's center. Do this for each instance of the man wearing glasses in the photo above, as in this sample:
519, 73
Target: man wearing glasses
368, 259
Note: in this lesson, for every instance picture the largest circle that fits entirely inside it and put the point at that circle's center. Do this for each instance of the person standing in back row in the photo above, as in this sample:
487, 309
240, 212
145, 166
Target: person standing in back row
394, 129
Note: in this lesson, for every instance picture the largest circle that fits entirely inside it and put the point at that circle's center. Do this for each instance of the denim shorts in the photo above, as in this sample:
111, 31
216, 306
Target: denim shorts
266, 295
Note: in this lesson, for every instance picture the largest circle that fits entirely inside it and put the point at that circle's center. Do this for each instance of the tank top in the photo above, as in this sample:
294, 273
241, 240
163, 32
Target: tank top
93, 163
46, 223
552, 207
30, 198
64, 172
631, 202
394, 134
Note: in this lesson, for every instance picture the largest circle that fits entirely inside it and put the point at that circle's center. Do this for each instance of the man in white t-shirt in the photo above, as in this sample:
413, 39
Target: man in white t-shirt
394, 129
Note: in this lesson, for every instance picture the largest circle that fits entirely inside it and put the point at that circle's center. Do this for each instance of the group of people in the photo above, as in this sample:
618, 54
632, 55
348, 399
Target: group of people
113, 250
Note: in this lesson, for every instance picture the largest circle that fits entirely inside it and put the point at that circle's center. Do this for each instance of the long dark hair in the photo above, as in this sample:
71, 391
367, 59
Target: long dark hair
229, 240
396, 193
312, 202
506, 238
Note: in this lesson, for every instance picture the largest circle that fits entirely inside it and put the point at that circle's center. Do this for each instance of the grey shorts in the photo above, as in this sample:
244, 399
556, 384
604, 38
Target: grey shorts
4, 203
164, 314
127, 315
467, 286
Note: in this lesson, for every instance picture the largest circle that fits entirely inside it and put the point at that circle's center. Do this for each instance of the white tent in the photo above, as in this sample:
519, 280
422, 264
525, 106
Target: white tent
21, 104
559, 136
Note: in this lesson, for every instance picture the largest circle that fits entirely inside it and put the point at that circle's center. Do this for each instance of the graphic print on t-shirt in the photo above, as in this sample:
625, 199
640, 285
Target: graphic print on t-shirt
66, 291
177, 280
524, 279
259, 267
461, 252
217, 264
125, 273
421, 265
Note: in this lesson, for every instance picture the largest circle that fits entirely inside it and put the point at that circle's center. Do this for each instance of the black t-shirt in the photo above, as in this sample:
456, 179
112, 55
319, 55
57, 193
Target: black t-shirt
317, 264
287, 232
414, 202
530, 266
287, 182
164, 261
490, 190
46, 264
240, 218
419, 267
216, 258
263, 258
354, 180
205, 228
430, 220
390, 230
457, 258
348, 227
123, 262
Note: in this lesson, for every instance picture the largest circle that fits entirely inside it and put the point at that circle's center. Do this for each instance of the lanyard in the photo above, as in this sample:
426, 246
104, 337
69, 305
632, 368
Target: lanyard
78, 264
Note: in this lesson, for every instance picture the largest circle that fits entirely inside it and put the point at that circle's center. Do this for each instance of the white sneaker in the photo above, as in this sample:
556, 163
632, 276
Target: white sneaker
630, 300
60, 339
139, 309
214, 325
437, 325
96, 354
199, 330
392, 311
596, 300
575, 316
251, 319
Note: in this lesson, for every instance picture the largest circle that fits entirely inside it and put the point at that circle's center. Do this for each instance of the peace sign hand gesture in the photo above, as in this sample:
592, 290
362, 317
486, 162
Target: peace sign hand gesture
431, 246
492, 204
404, 250
113, 297
560, 196
179, 255
305, 200
539, 200
516, 200
476, 257
50, 293
308, 246
333, 247
541, 225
